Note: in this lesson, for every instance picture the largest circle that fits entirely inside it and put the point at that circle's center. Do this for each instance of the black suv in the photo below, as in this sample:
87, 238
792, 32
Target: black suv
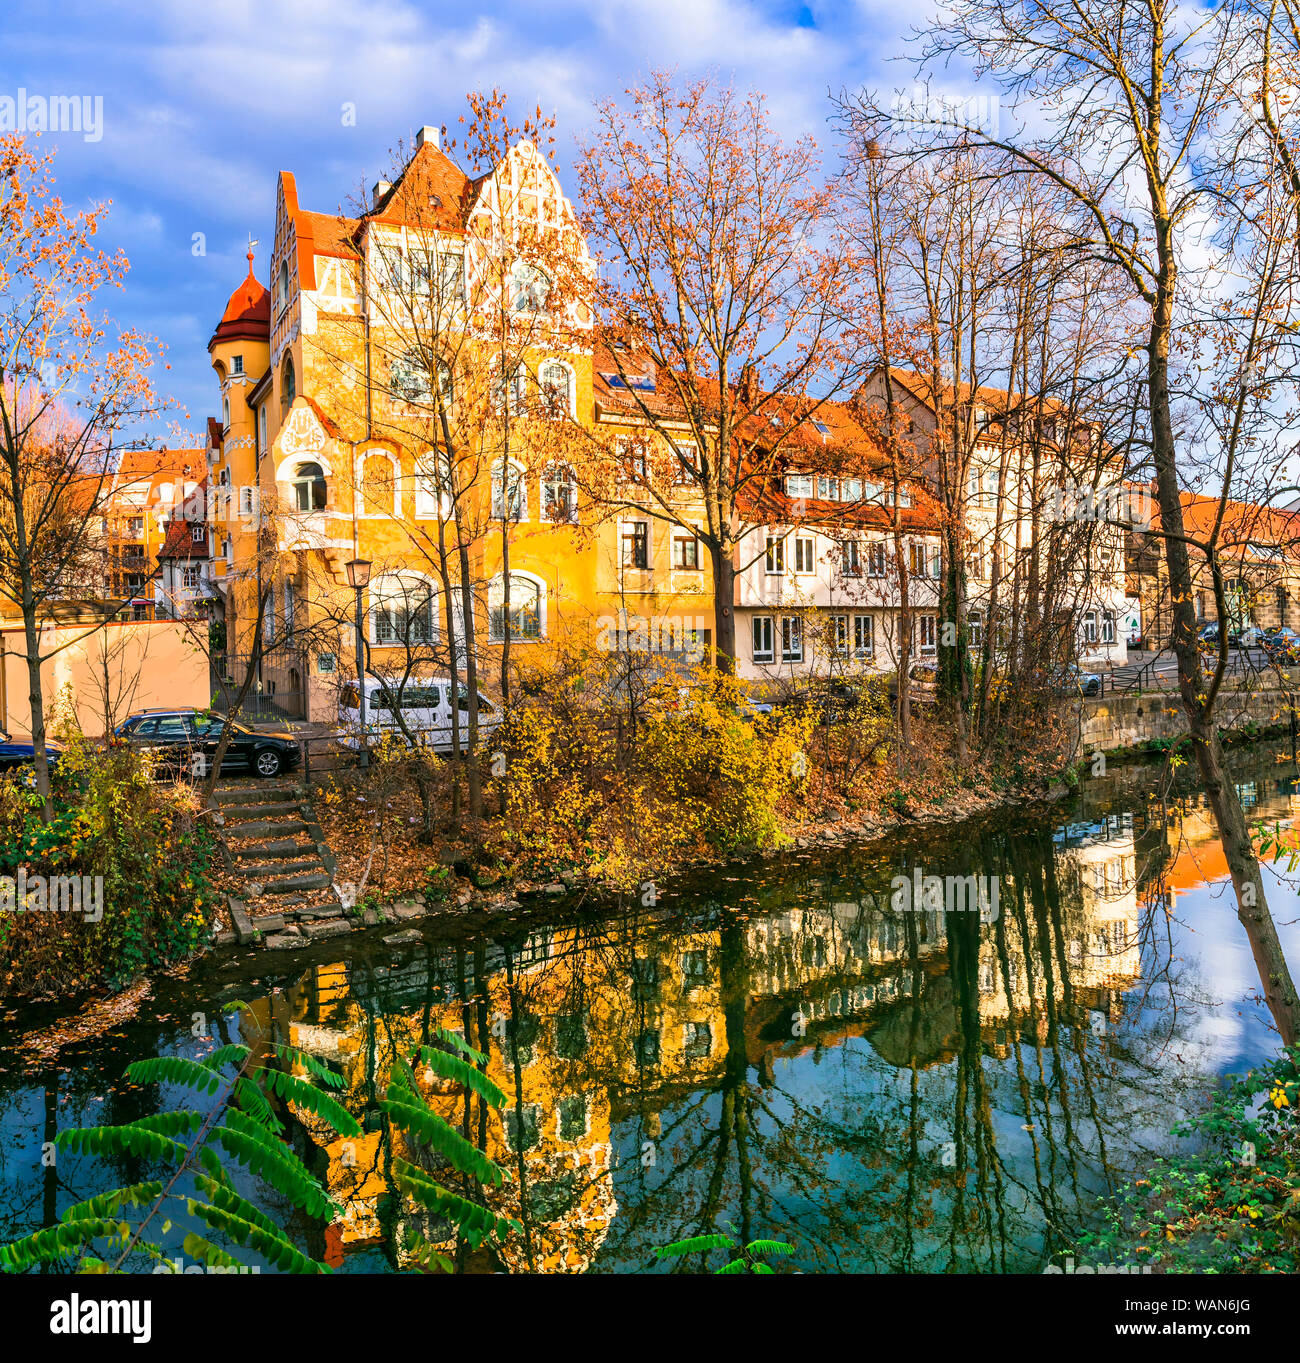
186, 741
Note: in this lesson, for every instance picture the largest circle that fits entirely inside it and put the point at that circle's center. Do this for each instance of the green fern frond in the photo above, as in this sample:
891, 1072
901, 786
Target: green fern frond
273, 1161
225, 1199
252, 1100
271, 1247
431, 1130
768, 1247
106, 1204
133, 1139
735, 1266
454, 1068
178, 1123
174, 1069
293, 1056
205, 1252
460, 1044
292, 1089
55, 1242
473, 1221
697, 1244
225, 1055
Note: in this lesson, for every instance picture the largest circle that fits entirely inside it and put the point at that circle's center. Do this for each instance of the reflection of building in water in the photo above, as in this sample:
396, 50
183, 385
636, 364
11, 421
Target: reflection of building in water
588, 1027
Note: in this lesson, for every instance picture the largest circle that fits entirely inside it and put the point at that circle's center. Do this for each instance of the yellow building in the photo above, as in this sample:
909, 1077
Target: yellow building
365, 416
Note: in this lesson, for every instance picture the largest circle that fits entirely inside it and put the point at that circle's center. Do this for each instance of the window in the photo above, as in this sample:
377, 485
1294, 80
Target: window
288, 382
975, 623
572, 1122
645, 978
851, 489
225, 413
647, 1047
511, 393
992, 486
261, 428
411, 381
695, 969
686, 550
451, 278
246, 499
199, 534
401, 611
631, 451
791, 639
803, 555
525, 610
509, 497
828, 489
308, 487
928, 631
1108, 627
850, 559
190, 576
798, 485
876, 560
559, 495
571, 1036
864, 636
520, 1038
839, 635
636, 544
522, 1126
284, 282
530, 287
775, 560
686, 464
904, 495
288, 607
135, 526
1090, 627
433, 487
555, 379
237, 363
762, 652
697, 1041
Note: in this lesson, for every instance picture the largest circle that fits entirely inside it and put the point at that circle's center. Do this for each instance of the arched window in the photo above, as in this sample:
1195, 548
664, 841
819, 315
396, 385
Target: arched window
402, 611
529, 286
509, 394
509, 496
526, 613
559, 494
377, 483
284, 282
555, 379
288, 383
308, 487
434, 488
225, 413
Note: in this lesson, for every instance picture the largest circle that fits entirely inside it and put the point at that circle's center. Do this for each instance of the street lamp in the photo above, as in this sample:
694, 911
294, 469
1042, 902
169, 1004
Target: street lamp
359, 579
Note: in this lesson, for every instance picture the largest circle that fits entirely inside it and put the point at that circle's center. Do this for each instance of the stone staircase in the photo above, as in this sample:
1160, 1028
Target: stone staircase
274, 850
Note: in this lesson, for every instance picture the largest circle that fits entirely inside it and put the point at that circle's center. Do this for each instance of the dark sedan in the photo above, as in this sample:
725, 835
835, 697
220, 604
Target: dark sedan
21, 752
186, 741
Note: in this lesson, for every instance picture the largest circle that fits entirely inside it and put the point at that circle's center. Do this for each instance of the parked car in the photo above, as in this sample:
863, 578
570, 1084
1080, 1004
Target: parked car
186, 741
1072, 680
1283, 646
424, 704
830, 701
1251, 637
1208, 635
21, 752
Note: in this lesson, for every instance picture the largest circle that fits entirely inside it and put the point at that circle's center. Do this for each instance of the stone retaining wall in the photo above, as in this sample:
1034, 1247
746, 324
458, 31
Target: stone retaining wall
1128, 721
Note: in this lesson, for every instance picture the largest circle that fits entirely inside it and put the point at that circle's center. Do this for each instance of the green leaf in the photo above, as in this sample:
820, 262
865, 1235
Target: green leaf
205, 1252
293, 1056
227, 1200
735, 1266
460, 1044
473, 1221
768, 1247
105, 1204
225, 1055
432, 1131
174, 1069
277, 1251
305, 1094
697, 1244
134, 1139
273, 1161
55, 1243
454, 1068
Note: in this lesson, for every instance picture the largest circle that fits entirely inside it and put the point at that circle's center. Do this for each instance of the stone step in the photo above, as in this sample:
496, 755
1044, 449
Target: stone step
272, 851
252, 795
261, 828
317, 880
240, 814
279, 868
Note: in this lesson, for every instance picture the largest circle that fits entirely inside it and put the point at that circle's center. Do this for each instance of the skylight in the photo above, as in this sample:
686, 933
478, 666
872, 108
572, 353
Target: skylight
822, 427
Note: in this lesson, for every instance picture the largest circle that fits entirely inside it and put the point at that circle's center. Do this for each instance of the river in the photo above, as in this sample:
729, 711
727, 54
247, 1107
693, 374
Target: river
778, 1049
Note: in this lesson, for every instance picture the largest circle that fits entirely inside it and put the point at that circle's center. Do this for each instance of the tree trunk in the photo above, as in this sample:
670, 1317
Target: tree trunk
724, 608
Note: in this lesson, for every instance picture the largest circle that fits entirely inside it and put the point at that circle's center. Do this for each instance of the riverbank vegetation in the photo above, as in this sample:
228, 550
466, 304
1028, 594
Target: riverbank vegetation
1229, 1205
137, 865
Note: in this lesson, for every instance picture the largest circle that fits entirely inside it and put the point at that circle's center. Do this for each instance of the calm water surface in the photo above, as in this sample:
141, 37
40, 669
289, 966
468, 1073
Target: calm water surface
774, 1049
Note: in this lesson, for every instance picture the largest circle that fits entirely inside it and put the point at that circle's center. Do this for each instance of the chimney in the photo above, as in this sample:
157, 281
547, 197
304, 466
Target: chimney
381, 188
426, 134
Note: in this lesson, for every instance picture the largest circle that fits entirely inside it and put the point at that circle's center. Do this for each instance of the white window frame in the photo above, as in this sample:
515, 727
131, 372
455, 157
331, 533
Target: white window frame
774, 556
570, 385
762, 625
515, 486
928, 634
864, 636
805, 554
517, 576
791, 639
553, 475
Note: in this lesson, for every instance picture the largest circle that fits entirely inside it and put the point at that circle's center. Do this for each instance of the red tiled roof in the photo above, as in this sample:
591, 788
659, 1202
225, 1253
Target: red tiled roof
248, 313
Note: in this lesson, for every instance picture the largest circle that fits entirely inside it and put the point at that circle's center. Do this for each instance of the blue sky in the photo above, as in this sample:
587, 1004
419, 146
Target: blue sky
205, 101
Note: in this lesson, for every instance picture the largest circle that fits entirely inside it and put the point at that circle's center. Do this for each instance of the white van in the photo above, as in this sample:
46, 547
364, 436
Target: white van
425, 708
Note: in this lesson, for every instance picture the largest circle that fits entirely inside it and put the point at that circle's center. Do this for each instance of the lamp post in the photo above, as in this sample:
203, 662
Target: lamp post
359, 579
